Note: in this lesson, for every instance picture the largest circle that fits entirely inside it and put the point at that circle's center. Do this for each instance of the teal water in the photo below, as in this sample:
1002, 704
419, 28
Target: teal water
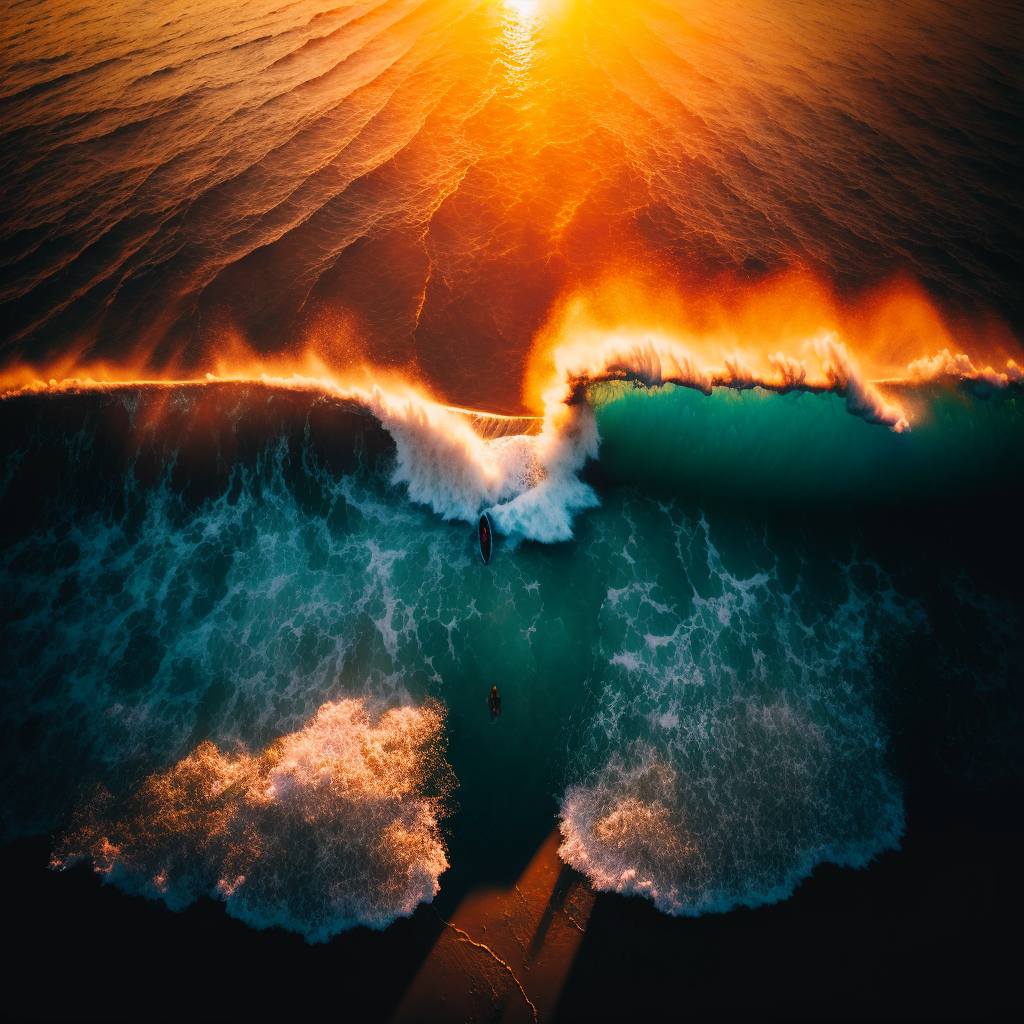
803, 448
700, 695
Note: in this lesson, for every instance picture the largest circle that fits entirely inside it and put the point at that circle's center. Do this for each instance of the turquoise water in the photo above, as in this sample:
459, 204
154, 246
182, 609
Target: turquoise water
696, 692
802, 449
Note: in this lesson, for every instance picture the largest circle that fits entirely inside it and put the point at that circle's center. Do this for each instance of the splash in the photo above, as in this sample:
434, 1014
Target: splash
332, 826
784, 335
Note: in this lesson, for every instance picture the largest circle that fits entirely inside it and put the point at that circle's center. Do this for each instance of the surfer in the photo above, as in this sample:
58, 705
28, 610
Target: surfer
484, 533
494, 702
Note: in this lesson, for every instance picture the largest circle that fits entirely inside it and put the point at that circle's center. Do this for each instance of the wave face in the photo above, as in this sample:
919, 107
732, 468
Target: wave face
804, 449
393, 178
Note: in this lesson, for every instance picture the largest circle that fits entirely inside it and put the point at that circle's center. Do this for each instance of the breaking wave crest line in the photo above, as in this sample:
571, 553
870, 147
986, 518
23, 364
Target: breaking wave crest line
457, 461
525, 469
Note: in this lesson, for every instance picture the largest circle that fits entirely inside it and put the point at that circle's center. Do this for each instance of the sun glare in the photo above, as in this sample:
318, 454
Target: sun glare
523, 9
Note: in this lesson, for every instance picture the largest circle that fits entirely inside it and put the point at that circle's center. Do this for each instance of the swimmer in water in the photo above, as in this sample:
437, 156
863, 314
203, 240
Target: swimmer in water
494, 702
485, 538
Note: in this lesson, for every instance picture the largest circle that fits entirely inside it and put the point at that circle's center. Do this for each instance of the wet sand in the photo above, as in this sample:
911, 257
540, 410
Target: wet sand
506, 953
924, 933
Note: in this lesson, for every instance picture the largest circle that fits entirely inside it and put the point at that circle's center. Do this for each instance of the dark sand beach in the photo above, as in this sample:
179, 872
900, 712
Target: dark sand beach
925, 933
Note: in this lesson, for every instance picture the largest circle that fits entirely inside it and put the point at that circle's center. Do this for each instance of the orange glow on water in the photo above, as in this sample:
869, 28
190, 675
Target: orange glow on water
788, 332
343, 795
447, 175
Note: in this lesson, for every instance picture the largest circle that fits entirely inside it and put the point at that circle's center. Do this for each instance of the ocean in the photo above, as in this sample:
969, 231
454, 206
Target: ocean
714, 308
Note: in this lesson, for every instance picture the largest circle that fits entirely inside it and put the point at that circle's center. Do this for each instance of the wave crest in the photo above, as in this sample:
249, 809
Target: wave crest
653, 363
960, 367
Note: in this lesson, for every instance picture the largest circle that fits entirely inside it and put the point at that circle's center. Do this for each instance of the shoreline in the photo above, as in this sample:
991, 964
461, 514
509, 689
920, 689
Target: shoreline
918, 934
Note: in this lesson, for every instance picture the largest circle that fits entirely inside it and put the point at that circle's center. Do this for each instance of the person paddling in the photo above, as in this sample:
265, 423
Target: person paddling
494, 701
484, 535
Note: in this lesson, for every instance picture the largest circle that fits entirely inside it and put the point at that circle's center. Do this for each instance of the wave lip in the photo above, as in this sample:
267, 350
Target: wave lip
330, 828
960, 367
595, 361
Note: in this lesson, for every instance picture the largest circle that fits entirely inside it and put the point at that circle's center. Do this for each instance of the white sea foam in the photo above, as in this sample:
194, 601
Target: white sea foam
328, 828
545, 510
739, 748
529, 483
445, 464
960, 366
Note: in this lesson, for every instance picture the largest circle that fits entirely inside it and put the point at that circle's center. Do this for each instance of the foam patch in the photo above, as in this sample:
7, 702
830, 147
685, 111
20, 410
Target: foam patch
330, 827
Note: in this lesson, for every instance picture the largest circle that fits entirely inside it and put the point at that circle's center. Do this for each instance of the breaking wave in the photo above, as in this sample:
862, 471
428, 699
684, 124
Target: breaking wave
647, 410
668, 363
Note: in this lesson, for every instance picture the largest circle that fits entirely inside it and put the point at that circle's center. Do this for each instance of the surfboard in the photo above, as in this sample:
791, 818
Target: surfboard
485, 534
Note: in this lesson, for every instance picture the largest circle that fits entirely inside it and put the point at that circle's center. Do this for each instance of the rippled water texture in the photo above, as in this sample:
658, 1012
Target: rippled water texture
417, 182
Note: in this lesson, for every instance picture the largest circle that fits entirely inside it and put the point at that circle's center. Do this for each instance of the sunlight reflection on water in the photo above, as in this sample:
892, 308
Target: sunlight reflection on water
521, 22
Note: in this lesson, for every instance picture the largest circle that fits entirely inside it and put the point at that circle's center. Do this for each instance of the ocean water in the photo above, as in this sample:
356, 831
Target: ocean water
200, 579
714, 308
